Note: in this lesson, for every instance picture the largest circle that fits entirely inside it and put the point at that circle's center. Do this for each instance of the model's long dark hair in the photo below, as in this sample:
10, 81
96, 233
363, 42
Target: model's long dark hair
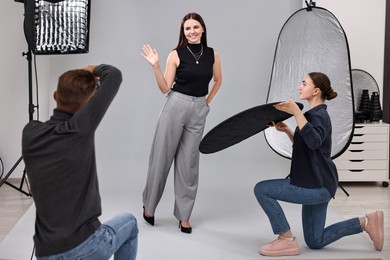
182, 38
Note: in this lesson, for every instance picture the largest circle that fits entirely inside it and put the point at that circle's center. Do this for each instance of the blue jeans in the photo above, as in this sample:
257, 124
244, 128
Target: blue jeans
314, 206
118, 236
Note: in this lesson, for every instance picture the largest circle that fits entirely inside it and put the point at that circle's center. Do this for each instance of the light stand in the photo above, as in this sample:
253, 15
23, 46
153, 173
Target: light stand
31, 109
51, 27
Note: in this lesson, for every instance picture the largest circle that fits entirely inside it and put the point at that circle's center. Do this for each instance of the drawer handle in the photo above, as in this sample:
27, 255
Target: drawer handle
356, 160
356, 151
357, 142
358, 134
356, 170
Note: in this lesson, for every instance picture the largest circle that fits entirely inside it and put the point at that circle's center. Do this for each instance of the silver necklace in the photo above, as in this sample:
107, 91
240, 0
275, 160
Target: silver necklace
196, 55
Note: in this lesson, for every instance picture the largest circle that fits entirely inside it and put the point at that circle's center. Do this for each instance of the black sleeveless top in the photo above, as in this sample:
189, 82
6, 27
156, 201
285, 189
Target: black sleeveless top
191, 78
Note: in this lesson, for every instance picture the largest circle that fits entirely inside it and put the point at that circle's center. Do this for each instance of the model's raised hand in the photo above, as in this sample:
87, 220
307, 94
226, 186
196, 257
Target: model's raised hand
150, 54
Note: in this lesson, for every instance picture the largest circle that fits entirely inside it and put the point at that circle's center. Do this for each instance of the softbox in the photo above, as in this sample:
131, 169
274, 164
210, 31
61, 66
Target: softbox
311, 40
57, 27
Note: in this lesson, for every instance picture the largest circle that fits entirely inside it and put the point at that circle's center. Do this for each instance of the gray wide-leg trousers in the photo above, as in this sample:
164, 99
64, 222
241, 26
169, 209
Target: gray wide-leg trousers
178, 134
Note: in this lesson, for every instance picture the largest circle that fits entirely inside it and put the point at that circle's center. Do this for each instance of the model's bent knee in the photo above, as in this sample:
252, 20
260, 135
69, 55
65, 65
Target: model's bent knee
314, 244
259, 188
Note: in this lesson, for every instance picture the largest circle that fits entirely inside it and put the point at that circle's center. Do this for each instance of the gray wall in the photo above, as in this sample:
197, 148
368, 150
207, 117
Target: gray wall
364, 25
243, 33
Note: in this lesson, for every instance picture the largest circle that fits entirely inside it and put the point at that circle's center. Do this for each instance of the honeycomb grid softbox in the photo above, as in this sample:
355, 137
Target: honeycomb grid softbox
51, 27
57, 27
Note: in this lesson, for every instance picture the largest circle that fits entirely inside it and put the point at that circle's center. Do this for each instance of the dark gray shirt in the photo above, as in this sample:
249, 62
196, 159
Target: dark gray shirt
59, 155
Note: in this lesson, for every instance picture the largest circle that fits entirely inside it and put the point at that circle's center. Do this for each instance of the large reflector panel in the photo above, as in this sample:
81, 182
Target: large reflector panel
312, 39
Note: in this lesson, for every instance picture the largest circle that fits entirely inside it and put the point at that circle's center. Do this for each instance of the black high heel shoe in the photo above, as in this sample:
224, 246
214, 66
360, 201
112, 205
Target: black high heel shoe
186, 230
148, 219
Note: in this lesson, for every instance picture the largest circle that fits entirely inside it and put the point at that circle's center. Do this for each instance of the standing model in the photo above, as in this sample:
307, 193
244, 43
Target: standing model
189, 69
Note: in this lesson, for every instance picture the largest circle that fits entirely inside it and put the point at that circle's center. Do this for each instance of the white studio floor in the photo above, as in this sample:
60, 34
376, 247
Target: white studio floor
227, 221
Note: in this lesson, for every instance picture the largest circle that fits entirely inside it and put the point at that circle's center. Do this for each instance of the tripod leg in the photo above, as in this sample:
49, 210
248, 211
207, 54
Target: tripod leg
4, 180
346, 193
23, 178
18, 189
31, 107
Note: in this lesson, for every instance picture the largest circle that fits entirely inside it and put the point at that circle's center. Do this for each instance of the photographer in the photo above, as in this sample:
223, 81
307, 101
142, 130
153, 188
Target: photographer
59, 155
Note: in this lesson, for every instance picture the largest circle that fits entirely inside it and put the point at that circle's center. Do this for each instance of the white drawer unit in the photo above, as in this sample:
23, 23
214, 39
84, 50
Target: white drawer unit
367, 157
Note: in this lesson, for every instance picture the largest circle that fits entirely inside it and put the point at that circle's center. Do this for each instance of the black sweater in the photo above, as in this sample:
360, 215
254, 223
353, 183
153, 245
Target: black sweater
59, 155
312, 166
